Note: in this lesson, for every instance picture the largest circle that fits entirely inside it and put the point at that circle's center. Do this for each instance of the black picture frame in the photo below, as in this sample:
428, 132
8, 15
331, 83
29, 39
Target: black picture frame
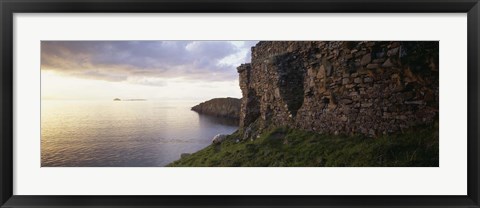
9, 7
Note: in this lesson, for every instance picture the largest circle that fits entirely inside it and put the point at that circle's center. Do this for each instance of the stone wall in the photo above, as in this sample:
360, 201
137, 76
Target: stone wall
346, 87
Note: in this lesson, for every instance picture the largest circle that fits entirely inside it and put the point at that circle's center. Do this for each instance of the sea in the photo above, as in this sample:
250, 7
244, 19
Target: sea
124, 133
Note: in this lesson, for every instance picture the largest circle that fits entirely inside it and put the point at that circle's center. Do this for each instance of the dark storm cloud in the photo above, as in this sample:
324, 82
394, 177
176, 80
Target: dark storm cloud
121, 60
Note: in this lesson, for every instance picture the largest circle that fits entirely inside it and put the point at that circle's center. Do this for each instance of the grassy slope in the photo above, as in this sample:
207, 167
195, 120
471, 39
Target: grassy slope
289, 147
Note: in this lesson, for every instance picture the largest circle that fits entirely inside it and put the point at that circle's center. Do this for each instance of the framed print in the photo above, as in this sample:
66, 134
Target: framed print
239, 104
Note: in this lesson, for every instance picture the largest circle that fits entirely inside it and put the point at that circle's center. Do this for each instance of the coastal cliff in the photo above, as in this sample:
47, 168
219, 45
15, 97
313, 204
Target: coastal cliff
220, 107
334, 103
340, 87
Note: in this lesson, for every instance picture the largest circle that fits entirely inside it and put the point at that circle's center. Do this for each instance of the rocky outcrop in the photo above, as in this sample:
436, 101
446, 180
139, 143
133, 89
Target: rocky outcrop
220, 107
219, 138
340, 87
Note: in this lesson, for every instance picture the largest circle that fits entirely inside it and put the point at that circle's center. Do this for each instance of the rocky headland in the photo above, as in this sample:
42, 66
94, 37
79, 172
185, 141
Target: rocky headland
220, 107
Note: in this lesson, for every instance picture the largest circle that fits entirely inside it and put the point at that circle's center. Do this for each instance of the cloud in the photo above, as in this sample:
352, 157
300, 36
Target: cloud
146, 62
148, 81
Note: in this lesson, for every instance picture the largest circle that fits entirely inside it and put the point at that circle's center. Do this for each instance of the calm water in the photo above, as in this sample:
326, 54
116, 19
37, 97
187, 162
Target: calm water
125, 133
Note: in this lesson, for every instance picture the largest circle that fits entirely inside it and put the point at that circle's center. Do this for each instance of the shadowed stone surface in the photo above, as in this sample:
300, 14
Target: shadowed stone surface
354, 87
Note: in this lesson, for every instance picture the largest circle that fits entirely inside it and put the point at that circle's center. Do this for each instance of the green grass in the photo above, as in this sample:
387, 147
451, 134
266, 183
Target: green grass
286, 147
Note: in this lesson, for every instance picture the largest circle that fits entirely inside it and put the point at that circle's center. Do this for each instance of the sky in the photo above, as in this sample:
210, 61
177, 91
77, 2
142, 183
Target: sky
153, 70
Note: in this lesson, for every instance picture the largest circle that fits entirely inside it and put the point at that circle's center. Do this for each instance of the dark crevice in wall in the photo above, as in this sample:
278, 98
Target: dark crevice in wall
290, 82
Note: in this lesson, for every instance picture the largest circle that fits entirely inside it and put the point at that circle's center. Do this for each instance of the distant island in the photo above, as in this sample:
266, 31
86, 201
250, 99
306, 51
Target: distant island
118, 99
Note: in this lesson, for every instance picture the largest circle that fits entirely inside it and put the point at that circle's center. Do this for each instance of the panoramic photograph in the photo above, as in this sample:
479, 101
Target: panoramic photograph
239, 103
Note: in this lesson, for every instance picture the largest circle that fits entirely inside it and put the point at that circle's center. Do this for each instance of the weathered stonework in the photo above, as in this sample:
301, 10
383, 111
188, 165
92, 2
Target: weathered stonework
249, 108
349, 87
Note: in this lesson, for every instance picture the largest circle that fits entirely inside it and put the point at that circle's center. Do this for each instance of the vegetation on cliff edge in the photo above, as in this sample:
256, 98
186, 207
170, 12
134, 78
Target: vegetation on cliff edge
417, 147
220, 107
